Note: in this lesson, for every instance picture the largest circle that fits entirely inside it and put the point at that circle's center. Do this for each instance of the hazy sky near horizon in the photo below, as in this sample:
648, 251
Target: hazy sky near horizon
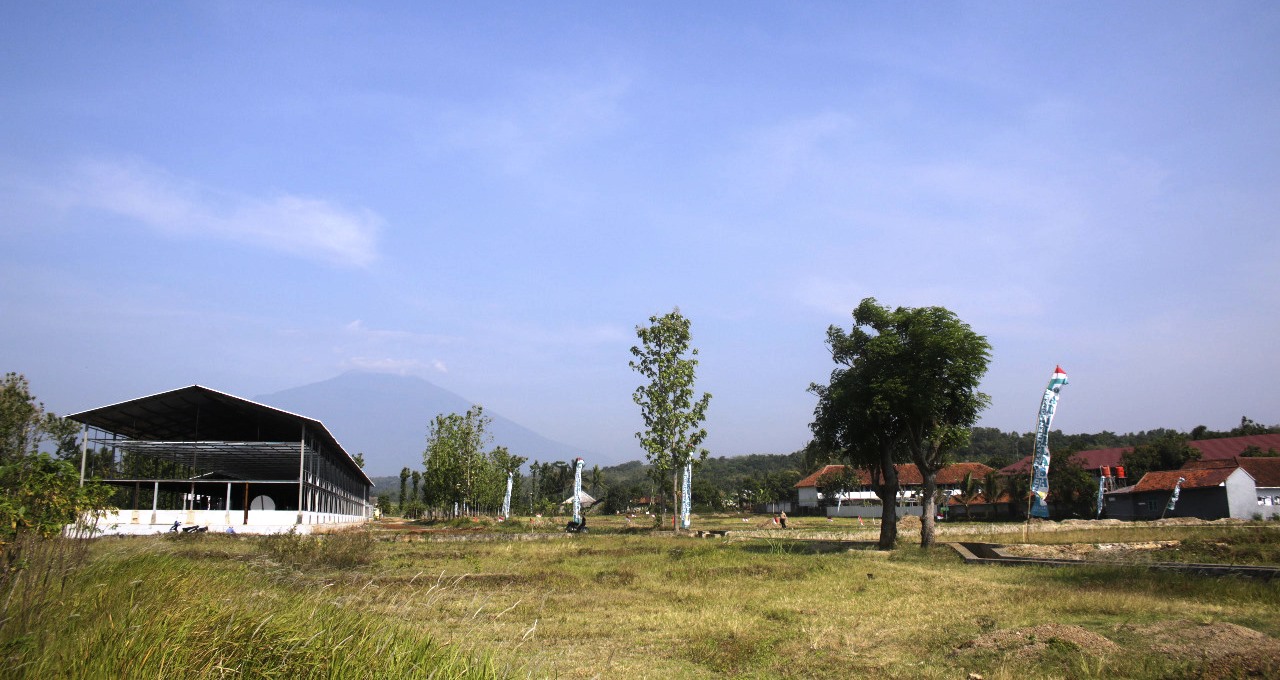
256, 196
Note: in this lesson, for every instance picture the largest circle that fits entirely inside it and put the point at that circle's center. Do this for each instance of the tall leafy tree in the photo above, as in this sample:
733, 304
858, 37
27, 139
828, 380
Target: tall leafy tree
837, 482
855, 427
404, 482
993, 484
934, 378
596, 479
455, 459
1169, 452
908, 384
21, 419
1073, 491
502, 462
673, 413
39, 494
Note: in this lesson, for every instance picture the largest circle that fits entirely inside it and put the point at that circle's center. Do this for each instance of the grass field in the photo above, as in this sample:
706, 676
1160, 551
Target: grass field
469, 600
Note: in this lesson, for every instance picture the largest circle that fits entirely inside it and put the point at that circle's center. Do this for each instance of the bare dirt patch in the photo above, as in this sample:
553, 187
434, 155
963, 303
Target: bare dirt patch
1221, 650
1090, 551
1036, 640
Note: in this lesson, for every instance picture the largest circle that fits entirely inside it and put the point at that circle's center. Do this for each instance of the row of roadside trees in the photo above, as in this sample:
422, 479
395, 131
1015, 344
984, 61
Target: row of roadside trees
461, 474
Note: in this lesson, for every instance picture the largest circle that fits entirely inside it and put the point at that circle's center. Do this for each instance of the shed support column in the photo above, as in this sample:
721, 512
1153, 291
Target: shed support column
155, 501
84, 450
302, 462
246, 503
227, 506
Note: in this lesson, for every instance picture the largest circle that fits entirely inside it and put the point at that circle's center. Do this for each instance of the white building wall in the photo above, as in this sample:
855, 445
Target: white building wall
145, 522
1242, 495
1268, 499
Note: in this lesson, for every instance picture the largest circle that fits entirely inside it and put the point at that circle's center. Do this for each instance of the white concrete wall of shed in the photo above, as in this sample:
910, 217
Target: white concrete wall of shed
872, 511
1269, 510
1242, 495
141, 522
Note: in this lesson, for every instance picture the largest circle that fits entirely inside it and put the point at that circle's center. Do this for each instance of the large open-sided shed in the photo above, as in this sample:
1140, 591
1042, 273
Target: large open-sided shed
203, 457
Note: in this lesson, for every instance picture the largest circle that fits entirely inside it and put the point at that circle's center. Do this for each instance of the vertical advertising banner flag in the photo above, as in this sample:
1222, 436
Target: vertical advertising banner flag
1040, 463
1173, 500
577, 490
686, 495
506, 500
1102, 489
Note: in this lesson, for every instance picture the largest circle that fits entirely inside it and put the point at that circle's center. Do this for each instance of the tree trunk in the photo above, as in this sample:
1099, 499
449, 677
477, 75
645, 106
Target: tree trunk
888, 493
929, 506
675, 500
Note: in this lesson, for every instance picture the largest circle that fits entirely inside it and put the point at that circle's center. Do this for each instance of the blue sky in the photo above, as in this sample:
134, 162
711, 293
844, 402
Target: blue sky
256, 196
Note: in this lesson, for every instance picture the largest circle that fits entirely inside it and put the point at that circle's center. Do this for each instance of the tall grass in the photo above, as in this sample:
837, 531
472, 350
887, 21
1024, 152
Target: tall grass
597, 606
203, 608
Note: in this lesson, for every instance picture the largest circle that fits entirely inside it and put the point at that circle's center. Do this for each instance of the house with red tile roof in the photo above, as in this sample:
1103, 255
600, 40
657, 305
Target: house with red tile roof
862, 500
1236, 487
1210, 449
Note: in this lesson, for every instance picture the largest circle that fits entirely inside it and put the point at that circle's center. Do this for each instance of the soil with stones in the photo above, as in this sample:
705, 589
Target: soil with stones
1097, 552
1034, 641
1219, 650
1214, 650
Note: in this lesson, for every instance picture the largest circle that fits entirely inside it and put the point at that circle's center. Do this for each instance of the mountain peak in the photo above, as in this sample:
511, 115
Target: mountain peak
385, 416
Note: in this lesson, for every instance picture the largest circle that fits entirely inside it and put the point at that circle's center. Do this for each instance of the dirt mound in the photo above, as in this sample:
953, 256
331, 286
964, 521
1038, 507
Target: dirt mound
909, 523
1224, 650
1036, 640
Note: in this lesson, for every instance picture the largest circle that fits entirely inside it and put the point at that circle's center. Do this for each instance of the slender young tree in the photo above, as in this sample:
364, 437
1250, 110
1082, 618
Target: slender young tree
404, 483
672, 412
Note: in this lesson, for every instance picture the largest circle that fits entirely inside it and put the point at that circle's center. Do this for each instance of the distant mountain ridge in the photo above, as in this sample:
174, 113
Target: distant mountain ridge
385, 417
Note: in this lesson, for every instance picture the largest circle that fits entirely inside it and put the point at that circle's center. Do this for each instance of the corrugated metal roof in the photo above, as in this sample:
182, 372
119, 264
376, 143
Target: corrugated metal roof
188, 421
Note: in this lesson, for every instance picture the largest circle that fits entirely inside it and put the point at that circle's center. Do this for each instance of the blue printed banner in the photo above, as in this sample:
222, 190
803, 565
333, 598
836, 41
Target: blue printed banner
1173, 500
1040, 463
1102, 490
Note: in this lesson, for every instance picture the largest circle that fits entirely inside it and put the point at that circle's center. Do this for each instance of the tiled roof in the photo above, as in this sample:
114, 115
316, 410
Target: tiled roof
1193, 479
908, 475
1210, 449
1230, 447
981, 499
1265, 471
1089, 460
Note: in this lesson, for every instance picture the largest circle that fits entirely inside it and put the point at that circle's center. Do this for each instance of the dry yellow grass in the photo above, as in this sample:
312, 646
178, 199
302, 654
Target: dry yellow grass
757, 604
664, 606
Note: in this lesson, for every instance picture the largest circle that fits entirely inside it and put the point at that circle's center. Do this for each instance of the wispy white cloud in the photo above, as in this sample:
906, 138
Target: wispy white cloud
358, 330
548, 116
394, 365
389, 350
302, 226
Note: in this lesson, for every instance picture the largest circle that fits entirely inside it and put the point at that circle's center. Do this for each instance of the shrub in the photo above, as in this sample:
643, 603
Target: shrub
343, 549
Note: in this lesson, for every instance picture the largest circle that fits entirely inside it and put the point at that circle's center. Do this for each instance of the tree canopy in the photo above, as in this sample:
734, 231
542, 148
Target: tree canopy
673, 413
906, 388
458, 469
